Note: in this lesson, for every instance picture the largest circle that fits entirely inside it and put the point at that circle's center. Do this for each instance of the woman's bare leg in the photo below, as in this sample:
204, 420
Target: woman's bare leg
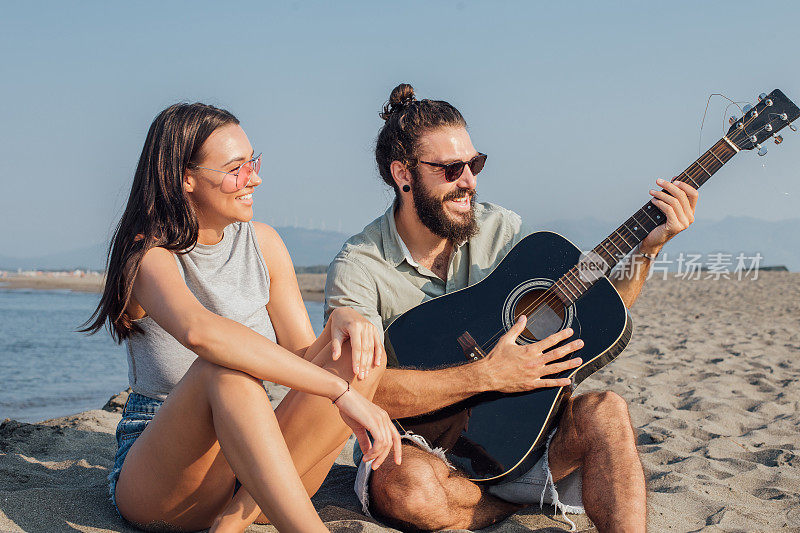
180, 470
243, 510
307, 454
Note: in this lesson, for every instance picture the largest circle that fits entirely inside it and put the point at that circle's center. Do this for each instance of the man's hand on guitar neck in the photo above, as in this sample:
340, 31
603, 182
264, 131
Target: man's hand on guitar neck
510, 367
677, 201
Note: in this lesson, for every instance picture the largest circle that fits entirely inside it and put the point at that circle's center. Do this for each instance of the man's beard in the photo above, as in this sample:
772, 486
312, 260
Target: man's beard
431, 212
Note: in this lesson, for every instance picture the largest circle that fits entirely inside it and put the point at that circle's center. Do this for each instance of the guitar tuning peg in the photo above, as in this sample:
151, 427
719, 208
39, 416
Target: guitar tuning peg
746, 108
762, 96
792, 127
733, 119
778, 139
761, 150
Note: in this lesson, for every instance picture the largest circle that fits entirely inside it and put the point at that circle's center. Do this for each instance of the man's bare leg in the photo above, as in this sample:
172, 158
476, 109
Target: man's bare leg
595, 433
423, 493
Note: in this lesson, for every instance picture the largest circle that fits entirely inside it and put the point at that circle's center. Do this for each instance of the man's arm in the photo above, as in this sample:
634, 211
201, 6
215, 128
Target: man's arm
630, 280
677, 201
405, 392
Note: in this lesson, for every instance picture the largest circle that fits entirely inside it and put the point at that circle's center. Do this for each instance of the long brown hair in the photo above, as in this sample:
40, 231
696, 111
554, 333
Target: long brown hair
158, 212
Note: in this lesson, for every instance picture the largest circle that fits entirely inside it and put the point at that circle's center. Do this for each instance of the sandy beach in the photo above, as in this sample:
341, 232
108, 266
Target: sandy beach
710, 377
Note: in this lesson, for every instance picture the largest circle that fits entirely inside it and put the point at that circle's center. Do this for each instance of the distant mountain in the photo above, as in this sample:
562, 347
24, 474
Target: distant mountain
312, 246
778, 242
88, 258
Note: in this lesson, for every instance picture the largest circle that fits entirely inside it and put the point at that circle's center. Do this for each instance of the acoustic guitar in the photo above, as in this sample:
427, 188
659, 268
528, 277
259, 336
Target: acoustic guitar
496, 436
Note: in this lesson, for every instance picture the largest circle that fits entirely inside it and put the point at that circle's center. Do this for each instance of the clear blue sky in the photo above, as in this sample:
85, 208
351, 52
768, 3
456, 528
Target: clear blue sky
580, 105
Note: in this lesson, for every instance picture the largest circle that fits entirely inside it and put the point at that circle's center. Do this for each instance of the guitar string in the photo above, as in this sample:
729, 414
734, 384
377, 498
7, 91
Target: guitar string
709, 154
569, 279
550, 296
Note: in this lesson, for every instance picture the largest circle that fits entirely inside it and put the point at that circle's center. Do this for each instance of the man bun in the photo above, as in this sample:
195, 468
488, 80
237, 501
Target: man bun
401, 97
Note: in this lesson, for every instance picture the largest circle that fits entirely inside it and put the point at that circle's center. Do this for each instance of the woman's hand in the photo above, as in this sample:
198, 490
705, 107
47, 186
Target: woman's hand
362, 416
365, 341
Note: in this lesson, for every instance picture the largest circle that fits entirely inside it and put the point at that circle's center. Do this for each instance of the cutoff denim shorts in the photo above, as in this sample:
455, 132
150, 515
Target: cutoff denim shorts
534, 486
138, 412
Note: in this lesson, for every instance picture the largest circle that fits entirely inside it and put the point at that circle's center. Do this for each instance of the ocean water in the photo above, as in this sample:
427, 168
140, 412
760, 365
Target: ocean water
48, 370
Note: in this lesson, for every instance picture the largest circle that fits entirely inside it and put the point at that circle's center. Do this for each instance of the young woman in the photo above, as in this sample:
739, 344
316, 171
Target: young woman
209, 305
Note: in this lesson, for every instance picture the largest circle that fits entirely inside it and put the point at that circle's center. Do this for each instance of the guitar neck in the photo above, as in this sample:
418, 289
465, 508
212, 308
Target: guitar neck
633, 231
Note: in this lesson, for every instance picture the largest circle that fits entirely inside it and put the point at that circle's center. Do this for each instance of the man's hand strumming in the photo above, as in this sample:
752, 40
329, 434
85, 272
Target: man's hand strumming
510, 367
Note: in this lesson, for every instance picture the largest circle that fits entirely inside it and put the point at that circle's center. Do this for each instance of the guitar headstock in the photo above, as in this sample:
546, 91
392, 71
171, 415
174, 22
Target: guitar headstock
772, 113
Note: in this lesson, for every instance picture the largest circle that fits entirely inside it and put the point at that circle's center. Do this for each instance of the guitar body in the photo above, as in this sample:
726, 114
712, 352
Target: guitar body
501, 436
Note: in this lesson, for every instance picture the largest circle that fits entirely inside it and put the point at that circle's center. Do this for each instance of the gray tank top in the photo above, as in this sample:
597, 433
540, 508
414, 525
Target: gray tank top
230, 279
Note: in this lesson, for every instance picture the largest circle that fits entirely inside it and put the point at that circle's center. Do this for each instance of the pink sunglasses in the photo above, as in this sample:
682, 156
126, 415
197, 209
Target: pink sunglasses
238, 178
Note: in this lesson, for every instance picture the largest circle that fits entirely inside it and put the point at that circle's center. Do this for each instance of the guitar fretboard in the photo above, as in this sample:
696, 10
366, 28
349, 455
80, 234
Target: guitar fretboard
630, 233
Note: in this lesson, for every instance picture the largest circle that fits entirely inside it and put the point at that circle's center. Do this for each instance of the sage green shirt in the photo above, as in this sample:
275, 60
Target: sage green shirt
375, 274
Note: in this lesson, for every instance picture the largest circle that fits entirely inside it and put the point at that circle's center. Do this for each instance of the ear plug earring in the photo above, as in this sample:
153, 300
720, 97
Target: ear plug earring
406, 188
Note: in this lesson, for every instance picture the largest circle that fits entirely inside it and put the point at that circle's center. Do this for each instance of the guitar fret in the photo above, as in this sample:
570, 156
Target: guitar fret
615, 246
704, 168
648, 223
563, 286
576, 278
580, 281
648, 214
566, 298
633, 231
690, 179
622, 237
715, 155
608, 257
642, 224
566, 279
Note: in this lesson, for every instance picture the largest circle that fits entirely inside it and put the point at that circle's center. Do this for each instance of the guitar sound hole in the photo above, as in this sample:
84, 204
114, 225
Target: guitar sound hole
545, 314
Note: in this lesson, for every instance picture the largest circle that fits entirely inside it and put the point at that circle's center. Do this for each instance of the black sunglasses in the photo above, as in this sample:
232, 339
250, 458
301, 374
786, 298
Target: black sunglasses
453, 171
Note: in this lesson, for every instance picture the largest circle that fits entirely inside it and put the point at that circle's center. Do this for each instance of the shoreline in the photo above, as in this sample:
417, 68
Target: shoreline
312, 286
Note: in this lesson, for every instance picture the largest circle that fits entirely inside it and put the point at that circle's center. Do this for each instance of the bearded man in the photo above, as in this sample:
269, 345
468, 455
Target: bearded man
436, 239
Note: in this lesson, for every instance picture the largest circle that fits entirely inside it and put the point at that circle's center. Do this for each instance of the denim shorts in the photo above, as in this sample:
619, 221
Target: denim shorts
536, 485
138, 412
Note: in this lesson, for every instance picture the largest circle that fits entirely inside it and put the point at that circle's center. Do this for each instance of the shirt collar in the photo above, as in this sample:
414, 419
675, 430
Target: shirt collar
394, 249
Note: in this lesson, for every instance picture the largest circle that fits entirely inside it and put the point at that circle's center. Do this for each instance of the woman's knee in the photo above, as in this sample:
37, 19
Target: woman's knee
343, 366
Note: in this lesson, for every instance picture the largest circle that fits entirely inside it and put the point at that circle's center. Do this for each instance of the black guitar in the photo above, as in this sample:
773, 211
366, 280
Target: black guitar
497, 436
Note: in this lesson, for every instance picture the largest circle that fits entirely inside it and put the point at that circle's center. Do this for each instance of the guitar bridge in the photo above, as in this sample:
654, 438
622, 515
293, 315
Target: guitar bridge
470, 347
